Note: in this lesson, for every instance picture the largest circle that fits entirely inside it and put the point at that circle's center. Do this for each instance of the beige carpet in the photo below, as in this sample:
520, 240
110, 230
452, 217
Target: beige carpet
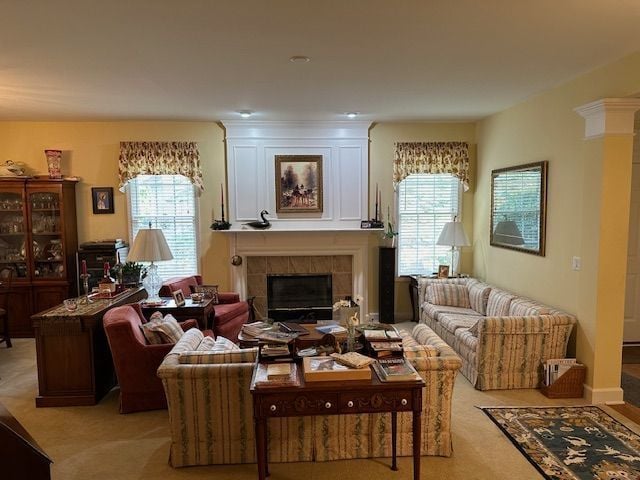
99, 443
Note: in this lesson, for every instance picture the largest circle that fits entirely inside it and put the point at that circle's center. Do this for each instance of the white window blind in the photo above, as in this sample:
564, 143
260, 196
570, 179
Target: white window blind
425, 203
169, 203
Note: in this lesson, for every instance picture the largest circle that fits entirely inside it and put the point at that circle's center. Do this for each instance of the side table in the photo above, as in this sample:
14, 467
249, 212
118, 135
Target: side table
203, 312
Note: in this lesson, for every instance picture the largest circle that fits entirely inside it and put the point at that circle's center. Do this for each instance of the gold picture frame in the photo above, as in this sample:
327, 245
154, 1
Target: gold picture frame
298, 182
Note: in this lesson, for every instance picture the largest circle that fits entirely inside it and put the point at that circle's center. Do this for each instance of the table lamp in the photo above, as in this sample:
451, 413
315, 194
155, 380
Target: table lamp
150, 246
454, 236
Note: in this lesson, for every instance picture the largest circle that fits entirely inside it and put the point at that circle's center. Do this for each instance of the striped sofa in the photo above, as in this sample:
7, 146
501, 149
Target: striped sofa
211, 411
501, 337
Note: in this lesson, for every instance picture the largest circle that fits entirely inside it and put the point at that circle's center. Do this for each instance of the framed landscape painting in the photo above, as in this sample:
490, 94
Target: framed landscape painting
298, 183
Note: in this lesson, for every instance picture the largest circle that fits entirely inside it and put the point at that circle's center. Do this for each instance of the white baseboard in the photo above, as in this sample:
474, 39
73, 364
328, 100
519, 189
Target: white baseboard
609, 396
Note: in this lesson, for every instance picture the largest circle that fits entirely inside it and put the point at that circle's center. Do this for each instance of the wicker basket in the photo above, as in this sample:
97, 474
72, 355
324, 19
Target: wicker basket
569, 385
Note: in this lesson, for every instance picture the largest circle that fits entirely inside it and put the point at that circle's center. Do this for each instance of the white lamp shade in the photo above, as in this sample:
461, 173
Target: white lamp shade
453, 235
149, 246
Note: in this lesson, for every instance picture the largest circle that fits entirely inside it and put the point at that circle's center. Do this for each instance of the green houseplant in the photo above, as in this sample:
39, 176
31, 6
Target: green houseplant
131, 273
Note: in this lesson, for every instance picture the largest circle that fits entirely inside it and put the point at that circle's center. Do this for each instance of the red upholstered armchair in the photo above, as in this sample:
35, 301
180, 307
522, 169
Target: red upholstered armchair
230, 312
136, 362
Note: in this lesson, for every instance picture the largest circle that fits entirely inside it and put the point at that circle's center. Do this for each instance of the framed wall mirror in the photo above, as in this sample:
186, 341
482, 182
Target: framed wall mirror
519, 207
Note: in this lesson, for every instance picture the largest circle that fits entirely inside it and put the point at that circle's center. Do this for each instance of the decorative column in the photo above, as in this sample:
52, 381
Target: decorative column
608, 157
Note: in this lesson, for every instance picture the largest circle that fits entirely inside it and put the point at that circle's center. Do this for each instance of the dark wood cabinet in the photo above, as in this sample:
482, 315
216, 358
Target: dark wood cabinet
38, 241
386, 284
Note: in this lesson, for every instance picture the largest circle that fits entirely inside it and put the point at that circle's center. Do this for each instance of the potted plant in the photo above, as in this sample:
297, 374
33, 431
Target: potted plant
132, 273
389, 235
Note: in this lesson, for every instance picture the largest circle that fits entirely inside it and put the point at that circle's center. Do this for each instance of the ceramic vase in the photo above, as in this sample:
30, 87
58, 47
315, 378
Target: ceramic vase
53, 163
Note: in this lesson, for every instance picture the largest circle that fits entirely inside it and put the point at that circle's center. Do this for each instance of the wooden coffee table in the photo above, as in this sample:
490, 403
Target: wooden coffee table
337, 398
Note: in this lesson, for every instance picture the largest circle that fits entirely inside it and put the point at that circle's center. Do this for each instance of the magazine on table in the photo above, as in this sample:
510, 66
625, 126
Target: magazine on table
554, 368
381, 335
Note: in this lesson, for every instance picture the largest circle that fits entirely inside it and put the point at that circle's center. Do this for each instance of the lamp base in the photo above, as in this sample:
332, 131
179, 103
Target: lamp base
152, 283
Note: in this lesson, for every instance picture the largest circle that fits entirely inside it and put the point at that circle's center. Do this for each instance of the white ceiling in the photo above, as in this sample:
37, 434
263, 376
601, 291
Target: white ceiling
388, 59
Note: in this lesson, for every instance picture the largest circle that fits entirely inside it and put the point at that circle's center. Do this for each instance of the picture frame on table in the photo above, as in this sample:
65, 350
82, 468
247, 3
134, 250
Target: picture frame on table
102, 200
443, 271
178, 296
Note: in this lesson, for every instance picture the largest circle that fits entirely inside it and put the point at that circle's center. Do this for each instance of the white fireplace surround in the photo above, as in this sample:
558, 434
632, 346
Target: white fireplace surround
251, 150
355, 244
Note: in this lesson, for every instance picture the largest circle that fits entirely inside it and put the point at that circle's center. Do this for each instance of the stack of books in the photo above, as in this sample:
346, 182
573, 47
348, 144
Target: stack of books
386, 349
265, 332
276, 375
381, 335
395, 370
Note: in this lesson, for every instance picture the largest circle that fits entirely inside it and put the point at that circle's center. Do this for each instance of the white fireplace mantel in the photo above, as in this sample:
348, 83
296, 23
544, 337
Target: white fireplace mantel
251, 150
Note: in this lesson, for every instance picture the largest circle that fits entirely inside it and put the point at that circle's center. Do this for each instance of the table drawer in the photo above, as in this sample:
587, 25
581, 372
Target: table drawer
284, 405
365, 402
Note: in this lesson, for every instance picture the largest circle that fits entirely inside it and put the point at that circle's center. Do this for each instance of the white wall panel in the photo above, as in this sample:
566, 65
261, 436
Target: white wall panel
350, 183
246, 183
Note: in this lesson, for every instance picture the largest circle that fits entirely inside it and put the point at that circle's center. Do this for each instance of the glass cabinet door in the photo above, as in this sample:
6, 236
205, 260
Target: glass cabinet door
13, 234
46, 232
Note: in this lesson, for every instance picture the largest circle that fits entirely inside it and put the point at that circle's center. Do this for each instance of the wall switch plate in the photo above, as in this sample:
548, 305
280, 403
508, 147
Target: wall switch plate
576, 263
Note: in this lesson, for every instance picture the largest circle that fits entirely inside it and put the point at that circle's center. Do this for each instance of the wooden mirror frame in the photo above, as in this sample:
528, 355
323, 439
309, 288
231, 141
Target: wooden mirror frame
504, 239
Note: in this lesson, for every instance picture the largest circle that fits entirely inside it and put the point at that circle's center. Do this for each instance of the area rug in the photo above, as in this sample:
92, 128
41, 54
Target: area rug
568, 443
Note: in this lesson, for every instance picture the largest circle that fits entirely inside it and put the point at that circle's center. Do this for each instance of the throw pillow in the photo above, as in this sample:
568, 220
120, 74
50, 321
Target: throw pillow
224, 344
166, 329
245, 355
479, 296
498, 303
449, 295
207, 343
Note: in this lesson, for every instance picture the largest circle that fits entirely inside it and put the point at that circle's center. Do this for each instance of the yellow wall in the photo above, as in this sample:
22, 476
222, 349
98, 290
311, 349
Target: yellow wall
382, 137
91, 152
580, 174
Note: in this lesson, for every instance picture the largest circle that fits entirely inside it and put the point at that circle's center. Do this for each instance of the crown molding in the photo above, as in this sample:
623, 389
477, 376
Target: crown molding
609, 116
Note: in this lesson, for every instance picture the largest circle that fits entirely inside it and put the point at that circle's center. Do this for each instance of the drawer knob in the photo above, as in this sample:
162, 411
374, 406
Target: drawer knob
350, 403
327, 405
403, 402
273, 408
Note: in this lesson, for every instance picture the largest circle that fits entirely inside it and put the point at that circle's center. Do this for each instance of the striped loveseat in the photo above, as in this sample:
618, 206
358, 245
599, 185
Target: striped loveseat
501, 337
211, 411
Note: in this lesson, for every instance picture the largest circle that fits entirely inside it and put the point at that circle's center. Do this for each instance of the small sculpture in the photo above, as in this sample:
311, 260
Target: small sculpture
263, 225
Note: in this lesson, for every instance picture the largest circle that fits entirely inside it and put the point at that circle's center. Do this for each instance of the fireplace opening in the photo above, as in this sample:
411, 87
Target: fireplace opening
301, 297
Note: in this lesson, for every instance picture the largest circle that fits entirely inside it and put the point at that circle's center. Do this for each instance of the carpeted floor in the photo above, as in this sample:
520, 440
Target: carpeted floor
98, 443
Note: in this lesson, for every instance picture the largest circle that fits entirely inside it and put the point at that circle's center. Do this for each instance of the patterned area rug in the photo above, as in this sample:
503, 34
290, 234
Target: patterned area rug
567, 443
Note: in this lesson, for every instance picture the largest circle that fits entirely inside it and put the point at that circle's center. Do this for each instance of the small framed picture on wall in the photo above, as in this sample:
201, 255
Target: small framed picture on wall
102, 199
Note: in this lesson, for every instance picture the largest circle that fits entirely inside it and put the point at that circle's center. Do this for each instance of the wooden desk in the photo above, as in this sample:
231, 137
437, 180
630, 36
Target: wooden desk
335, 398
74, 361
203, 312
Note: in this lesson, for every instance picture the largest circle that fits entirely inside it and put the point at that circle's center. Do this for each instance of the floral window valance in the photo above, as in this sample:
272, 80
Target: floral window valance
160, 158
431, 157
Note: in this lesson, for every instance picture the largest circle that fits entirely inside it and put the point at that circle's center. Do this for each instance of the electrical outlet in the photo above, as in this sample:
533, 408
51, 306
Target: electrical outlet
576, 263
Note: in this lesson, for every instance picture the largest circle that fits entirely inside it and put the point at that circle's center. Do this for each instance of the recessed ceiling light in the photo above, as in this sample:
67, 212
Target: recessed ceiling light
299, 59
245, 113
352, 114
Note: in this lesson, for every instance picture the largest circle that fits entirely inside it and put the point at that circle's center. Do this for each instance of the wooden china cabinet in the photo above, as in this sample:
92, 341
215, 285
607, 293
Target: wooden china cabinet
38, 242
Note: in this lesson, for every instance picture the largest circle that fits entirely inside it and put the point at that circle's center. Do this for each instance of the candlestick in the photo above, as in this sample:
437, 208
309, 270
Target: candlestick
85, 283
376, 217
222, 201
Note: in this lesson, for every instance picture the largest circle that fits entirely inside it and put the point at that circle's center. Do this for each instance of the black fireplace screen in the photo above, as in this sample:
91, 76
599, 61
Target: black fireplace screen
293, 296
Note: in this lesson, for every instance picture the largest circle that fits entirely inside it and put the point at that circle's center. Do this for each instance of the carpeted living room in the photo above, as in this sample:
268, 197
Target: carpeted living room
459, 180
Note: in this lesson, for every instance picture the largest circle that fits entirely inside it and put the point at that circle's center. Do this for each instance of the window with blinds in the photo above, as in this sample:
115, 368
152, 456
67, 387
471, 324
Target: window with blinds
169, 203
425, 203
